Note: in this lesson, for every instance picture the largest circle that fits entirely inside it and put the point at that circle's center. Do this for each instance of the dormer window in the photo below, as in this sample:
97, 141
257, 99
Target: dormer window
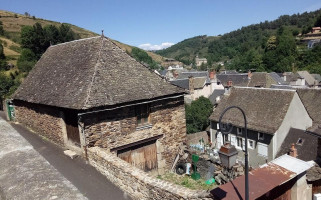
300, 141
260, 136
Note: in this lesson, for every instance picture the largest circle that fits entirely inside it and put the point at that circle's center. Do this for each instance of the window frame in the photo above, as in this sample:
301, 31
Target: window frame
239, 131
248, 144
260, 138
142, 113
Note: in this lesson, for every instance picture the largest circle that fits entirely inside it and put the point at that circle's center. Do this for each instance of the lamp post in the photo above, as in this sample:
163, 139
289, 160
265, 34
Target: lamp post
229, 156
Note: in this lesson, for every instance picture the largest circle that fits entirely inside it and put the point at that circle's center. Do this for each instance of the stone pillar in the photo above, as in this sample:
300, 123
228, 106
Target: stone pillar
161, 163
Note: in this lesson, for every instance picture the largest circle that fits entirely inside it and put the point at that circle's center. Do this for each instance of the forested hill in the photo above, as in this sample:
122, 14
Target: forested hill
270, 45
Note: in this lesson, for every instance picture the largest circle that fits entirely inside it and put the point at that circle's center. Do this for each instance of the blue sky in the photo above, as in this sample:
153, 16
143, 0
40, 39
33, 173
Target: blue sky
149, 23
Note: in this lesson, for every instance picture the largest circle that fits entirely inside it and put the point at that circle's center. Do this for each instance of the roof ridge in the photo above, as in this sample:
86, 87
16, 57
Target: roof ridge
75, 41
94, 74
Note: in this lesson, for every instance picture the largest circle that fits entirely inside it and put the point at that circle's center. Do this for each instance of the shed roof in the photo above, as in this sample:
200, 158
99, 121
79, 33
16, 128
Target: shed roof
262, 180
90, 73
264, 108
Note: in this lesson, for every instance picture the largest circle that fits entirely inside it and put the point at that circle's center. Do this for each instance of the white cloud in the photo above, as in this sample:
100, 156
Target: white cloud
149, 46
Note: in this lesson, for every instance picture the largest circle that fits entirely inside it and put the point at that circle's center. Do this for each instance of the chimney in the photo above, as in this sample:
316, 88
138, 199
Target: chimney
175, 74
249, 74
293, 151
229, 83
191, 84
212, 75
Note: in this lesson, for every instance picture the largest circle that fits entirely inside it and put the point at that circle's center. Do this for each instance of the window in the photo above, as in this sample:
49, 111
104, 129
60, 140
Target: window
300, 141
260, 136
251, 144
142, 114
262, 149
226, 137
240, 143
239, 131
233, 140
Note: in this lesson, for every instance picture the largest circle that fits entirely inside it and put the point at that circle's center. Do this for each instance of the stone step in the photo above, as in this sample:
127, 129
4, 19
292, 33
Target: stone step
70, 154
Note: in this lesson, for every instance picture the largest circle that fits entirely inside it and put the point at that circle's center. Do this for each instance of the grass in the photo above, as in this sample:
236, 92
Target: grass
186, 181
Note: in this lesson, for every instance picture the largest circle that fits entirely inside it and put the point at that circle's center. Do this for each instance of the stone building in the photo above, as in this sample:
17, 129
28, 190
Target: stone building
270, 115
90, 93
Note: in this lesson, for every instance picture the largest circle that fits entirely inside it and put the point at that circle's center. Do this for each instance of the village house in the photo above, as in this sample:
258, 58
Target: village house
200, 61
197, 84
90, 93
270, 113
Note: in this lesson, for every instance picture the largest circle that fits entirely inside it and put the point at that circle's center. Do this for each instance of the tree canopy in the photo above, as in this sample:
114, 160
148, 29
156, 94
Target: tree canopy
36, 39
197, 115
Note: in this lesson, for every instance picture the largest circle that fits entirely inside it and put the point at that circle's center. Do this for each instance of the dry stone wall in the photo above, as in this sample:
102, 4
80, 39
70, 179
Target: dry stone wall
135, 182
43, 120
115, 128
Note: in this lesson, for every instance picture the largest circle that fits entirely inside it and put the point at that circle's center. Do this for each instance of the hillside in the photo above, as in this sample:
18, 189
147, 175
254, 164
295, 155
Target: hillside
243, 47
12, 23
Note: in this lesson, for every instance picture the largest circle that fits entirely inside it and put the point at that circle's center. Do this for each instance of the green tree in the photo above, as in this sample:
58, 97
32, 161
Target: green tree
3, 63
141, 56
197, 115
27, 60
5, 84
52, 35
66, 33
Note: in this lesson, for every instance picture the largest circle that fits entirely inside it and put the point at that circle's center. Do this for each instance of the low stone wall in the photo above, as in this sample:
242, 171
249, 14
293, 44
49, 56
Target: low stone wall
135, 182
44, 120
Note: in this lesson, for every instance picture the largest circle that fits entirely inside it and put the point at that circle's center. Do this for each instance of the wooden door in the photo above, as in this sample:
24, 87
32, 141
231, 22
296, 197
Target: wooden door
143, 156
71, 120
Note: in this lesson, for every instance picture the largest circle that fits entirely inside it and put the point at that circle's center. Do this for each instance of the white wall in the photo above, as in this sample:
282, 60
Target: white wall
296, 117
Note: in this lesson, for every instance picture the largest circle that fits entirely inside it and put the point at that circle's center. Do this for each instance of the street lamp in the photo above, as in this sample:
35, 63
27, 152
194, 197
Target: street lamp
228, 158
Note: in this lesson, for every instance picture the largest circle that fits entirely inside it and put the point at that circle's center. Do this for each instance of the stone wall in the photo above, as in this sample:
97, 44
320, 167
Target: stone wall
44, 120
116, 128
135, 182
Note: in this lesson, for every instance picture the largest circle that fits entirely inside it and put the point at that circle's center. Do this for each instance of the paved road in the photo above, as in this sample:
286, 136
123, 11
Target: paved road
33, 168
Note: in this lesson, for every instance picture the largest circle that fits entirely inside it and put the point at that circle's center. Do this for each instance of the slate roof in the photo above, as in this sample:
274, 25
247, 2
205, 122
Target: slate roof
261, 79
237, 79
311, 99
199, 83
183, 83
277, 78
307, 76
307, 151
317, 77
264, 108
229, 72
281, 87
195, 74
216, 94
90, 73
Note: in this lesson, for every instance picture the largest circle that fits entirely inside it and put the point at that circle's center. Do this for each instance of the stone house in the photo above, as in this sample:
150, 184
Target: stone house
197, 84
200, 61
270, 115
90, 93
